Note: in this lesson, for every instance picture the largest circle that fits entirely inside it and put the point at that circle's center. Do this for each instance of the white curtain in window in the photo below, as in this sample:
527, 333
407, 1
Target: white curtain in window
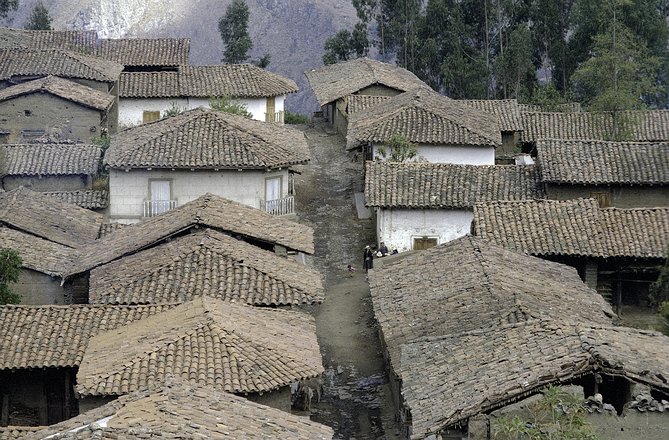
273, 188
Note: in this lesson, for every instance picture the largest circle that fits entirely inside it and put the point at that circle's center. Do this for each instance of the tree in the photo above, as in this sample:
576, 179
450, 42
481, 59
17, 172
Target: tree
398, 149
226, 104
10, 269
514, 71
233, 27
39, 19
345, 45
8, 5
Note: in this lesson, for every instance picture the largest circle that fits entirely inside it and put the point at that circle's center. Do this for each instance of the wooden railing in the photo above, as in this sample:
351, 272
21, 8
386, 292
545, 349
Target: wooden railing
276, 117
155, 207
282, 206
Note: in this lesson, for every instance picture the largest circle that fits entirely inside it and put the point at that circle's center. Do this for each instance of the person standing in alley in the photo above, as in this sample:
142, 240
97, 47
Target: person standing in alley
368, 259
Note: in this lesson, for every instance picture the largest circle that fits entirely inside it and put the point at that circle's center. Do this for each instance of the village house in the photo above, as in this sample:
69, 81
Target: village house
156, 167
420, 205
74, 358
205, 263
55, 108
620, 174
444, 130
20, 65
617, 251
463, 343
182, 410
145, 54
147, 96
361, 76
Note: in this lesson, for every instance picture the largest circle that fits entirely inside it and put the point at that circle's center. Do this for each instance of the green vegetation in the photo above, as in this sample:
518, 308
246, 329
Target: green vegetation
295, 118
39, 20
559, 415
345, 45
398, 149
234, 29
226, 104
174, 110
10, 269
103, 141
8, 5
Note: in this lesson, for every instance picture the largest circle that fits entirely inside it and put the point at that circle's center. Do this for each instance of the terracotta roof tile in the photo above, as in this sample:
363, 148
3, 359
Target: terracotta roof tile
506, 111
207, 211
48, 218
574, 227
601, 162
82, 41
89, 199
49, 159
145, 51
183, 411
234, 348
431, 185
335, 81
61, 88
36, 253
205, 138
205, 263
424, 117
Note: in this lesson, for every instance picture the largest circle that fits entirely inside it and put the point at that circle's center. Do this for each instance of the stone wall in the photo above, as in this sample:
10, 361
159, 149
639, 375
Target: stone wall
38, 288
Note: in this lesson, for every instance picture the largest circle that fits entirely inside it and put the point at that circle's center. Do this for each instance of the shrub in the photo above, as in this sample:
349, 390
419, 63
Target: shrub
226, 104
398, 149
295, 118
10, 269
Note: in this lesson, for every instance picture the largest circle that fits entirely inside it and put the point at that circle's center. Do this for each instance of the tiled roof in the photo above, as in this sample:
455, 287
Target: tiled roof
574, 227
205, 263
432, 185
356, 103
234, 348
48, 218
639, 126
57, 336
566, 107
83, 41
506, 111
206, 211
49, 159
183, 411
89, 199
36, 253
29, 62
425, 117
145, 51
205, 138
448, 379
110, 228
415, 297
234, 80
332, 82
601, 162
62, 88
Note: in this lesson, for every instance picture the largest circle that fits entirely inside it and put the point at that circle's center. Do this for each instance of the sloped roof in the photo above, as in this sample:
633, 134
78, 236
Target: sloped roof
206, 211
448, 379
425, 117
601, 162
49, 159
57, 336
234, 348
356, 103
145, 51
205, 263
48, 218
66, 64
206, 138
565, 107
36, 253
415, 297
234, 80
637, 125
61, 88
436, 185
183, 411
89, 199
506, 111
83, 41
334, 81
574, 227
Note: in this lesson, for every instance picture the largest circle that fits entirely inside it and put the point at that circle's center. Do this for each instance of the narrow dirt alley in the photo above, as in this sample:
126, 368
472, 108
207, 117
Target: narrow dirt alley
356, 401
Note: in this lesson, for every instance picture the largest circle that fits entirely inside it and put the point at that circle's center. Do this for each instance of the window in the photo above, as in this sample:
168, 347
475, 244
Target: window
270, 110
160, 198
603, 198
150, 116
423, 243
272, 188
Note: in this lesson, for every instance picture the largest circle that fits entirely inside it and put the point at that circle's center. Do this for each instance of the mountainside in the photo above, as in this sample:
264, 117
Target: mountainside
292, 31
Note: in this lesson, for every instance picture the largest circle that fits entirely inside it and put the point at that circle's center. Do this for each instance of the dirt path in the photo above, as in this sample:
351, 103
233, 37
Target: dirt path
356, 401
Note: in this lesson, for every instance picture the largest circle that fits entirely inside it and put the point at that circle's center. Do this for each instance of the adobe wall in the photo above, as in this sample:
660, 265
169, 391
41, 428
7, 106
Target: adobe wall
456, 154
48, 183
38, 288
632, 425
379, 90
621, 196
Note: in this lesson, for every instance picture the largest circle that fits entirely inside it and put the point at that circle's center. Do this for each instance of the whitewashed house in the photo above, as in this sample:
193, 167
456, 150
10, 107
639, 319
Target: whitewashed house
145, 96
420, 205
444, 130
161, 165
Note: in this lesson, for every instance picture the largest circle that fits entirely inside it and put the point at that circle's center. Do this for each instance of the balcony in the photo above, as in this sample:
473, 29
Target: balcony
284, 206
276, 118
153, 208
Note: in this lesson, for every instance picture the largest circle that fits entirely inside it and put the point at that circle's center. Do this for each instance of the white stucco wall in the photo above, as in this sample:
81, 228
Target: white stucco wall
128, 190
456, 154
130, 110
398, 227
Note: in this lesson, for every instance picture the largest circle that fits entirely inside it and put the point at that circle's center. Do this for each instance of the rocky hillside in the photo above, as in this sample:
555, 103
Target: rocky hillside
292, 31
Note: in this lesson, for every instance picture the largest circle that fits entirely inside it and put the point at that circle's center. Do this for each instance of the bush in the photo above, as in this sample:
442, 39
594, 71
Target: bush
226, 104
10, 269
295, 118
398, 149
173, 110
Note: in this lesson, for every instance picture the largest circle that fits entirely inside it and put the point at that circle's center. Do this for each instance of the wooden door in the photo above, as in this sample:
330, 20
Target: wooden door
270, 110
420, 244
